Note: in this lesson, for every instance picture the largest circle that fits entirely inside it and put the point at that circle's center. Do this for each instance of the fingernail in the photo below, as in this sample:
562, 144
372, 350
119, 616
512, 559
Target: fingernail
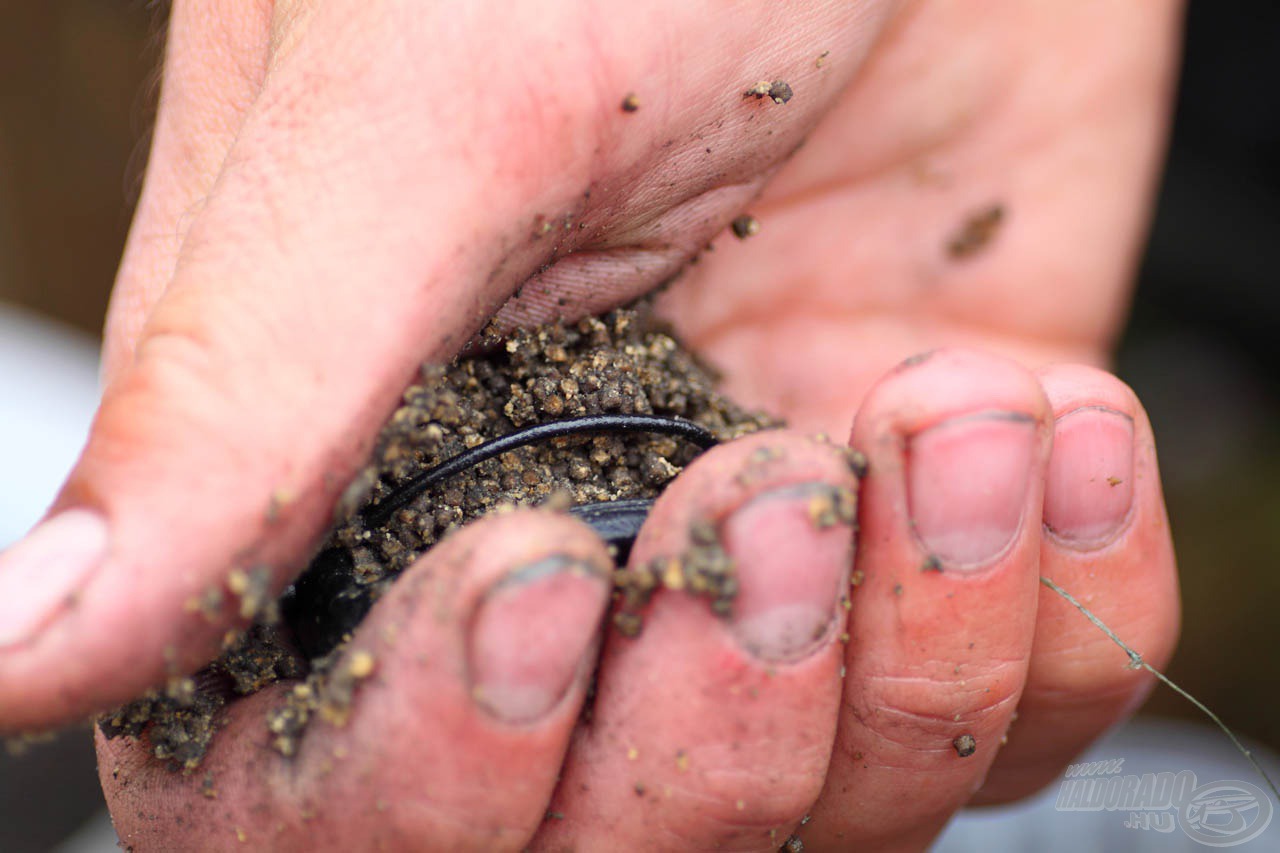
792, 547
1089, 487
531, 634
967, 481
43, 572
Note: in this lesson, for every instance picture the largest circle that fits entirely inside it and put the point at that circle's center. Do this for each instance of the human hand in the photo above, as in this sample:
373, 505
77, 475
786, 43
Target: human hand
377, 151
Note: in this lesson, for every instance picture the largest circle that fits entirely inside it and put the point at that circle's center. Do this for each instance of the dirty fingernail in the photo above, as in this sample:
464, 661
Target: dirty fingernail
531, 635
1089, 486
793, 547
967, 481
46, 569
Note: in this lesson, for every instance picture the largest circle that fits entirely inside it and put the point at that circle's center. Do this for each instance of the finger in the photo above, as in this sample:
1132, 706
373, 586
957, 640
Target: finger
711, 732
1106, 542
944, 610
475, 664
362, 225
215, 62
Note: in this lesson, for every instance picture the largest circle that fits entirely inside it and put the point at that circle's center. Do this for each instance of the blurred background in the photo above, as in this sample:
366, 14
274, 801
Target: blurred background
77, 86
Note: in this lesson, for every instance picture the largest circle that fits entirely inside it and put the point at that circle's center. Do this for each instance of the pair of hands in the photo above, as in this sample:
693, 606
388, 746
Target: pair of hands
339, 190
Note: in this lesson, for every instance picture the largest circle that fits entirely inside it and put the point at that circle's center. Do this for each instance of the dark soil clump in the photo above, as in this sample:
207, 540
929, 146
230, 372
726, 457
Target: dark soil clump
976, 232
705, 569
180, 720
778, 91
621, 364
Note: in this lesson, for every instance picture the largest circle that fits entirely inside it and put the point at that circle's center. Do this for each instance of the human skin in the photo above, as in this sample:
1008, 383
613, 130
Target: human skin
339, 190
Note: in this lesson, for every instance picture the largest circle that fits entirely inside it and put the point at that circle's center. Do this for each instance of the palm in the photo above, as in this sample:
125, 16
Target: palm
851, 270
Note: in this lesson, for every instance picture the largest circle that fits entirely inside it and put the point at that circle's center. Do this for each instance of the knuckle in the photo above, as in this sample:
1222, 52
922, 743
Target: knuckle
908, 717
746, 799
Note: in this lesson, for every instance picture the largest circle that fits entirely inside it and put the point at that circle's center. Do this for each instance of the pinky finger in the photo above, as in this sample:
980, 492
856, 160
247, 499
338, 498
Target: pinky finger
1106, 542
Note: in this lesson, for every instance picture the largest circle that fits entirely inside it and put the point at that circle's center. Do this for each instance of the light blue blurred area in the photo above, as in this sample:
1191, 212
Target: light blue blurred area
1147, 745
48, 394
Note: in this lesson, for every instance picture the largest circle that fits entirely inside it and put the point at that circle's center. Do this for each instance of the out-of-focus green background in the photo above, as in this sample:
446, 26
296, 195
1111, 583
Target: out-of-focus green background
76, 90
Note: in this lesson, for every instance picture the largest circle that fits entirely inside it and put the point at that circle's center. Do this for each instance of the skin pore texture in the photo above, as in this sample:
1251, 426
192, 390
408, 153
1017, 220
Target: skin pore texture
338, 191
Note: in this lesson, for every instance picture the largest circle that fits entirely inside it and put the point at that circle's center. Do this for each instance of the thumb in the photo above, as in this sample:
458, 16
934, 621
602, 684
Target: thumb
361, 223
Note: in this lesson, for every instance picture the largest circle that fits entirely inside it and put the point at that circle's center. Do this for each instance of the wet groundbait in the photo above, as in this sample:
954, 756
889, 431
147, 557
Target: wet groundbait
323, 607
594, 418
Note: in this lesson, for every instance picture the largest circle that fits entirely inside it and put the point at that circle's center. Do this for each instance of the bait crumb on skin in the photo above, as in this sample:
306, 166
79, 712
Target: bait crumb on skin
208, 604
778, 91
328, 692
745, 226
253, 588
542, 226
277, 503
206, 787
705, 570
915, 360
965, 745
857, 462
976, 232
831, 505
759, 464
